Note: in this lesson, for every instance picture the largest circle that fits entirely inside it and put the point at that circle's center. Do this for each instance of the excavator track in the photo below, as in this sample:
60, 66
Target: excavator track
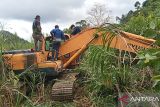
63, 89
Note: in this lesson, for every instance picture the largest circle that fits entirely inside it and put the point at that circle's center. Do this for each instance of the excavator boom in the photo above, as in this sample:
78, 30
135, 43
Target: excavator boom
121, 41
73, 48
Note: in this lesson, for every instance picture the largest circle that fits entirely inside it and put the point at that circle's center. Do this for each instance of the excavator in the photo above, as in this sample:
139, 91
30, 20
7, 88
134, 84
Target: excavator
69, 53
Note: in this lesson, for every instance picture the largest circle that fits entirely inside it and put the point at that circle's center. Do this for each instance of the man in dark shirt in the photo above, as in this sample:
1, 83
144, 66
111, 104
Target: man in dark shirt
75, 30
57, 36
37, 34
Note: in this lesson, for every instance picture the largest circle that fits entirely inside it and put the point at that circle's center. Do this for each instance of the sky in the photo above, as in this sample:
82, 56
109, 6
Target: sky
18, 15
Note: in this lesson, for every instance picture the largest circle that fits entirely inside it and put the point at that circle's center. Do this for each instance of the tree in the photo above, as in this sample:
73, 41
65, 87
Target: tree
137, 5
146, 26
82, 24
98, 15
67, 30
144, 21
118, 19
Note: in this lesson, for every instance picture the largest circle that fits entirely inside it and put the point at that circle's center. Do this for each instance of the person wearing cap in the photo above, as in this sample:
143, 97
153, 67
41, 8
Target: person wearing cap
57, 36
37, 34
75, 30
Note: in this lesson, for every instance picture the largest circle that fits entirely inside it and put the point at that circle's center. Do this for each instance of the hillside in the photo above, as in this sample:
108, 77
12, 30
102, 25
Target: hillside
9, 41
145, 20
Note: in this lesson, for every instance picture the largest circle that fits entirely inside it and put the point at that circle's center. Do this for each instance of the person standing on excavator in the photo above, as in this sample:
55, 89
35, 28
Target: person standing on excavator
37, 34
75, 30
57, 36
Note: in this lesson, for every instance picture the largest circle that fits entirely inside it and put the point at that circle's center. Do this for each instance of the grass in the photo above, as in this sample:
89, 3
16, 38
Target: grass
27, 90
105, 78
10, 93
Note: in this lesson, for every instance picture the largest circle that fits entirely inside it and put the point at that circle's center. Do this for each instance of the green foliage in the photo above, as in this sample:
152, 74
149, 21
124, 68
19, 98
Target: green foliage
156, 79
151, 58
82, 24
105, 69
146, 26
9, 41
144, 21
10, 94
67, 31
137, 5
104, 72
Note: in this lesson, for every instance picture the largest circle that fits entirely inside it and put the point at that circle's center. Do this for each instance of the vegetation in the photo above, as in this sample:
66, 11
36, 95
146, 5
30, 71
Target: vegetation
145, 20
109, 74
82, 24
106, 76
11, 41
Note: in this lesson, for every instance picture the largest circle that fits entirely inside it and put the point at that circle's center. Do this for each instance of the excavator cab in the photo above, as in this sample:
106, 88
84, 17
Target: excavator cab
48, 43
48, 47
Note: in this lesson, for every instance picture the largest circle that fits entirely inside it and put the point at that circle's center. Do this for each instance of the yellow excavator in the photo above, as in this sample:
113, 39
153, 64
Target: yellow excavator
69, 53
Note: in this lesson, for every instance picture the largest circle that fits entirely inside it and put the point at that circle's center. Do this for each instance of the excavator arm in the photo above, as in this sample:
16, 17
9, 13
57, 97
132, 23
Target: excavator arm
71, 49
120, 40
